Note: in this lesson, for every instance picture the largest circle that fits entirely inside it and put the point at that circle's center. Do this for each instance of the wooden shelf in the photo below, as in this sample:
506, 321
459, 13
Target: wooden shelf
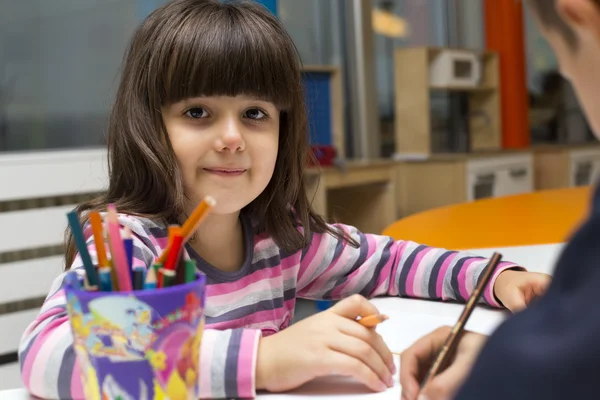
413, 125
361, 194
462, 88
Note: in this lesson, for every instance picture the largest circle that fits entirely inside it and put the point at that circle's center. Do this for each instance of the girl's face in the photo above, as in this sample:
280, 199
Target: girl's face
226, 147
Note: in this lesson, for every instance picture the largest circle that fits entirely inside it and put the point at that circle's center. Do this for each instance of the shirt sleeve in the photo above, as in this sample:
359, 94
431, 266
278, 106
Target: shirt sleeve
228, 363
333, 269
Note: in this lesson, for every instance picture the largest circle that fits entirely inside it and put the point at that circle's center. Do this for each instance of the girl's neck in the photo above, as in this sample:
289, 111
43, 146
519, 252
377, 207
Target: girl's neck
219, 240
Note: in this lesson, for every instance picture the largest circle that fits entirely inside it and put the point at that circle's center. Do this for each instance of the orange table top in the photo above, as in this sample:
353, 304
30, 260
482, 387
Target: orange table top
541, 217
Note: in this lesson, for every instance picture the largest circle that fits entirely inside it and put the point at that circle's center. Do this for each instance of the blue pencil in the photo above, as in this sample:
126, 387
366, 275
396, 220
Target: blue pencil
105, 277
128, 243
150, 279
72, 280
79, 239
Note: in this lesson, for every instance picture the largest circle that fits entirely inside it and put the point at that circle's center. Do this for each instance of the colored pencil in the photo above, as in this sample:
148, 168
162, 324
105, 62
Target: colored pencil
117, 249
87, 286
458, 328
128, 244
190, 270
191, 224
105, 277
96, 223
168, 278
79, 239
139, 275
371, 321
72, 280
175, 250
150, 279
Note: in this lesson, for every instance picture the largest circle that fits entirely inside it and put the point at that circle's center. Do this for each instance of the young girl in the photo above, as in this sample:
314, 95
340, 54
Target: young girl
211, 103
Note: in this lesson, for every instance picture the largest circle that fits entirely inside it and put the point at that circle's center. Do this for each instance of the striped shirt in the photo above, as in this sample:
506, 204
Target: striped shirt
257, 300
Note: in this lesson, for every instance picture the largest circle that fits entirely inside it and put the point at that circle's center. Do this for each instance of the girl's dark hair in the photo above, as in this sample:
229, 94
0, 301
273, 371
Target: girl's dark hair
549, 16
192, 48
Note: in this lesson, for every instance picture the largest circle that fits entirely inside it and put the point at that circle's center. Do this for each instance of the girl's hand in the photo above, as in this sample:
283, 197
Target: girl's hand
516, 289
328, 343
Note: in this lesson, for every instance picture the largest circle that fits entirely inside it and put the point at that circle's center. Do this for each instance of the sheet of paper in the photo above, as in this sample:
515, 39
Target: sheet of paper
538, 258
404, 327
400, 331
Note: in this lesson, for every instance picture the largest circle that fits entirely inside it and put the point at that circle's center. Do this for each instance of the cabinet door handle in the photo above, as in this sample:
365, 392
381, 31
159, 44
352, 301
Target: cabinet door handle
486, 177
518, 173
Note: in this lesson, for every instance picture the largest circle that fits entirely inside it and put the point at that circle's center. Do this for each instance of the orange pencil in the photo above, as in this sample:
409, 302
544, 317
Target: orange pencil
96, 222
191, 224
103, 261
372, 321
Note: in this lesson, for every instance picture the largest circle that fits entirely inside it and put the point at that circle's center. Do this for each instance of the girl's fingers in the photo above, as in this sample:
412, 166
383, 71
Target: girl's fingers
370, 336
346, 365
363, 352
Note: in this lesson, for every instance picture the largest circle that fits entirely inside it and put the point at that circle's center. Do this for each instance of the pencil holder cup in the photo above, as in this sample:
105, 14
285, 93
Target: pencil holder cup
142, 345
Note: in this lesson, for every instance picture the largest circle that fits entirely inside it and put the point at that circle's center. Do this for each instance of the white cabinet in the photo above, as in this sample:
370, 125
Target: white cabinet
499, 176
584, 167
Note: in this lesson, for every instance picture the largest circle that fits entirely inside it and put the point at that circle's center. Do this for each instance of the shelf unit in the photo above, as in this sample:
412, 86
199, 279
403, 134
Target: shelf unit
413, 124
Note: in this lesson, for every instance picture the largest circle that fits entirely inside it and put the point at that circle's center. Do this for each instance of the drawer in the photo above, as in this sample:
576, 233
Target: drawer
514, 180
584, 172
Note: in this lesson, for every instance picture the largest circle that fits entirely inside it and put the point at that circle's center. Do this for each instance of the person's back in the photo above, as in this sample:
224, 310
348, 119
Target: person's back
552, 349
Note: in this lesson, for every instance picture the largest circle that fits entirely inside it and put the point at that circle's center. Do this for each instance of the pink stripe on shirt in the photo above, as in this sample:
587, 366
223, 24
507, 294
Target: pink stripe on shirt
462, 277
247, 363
410, 279
34, 350
208, 343
439, 287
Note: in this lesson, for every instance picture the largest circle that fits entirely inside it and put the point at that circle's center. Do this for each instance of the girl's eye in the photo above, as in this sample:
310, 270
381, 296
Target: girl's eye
255, 114
196, 113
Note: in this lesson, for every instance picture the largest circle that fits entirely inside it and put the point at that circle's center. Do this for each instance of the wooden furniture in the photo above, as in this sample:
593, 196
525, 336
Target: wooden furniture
323, 84
456, 178
361, 194
413, 127
559, 166
527, 219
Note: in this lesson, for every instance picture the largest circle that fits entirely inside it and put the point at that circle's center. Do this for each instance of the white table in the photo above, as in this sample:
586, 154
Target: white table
409, 320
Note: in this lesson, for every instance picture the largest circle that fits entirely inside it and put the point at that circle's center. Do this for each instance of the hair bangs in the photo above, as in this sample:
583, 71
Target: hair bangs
246, 60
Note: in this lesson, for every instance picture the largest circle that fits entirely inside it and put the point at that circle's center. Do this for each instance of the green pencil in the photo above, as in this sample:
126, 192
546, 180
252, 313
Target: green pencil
168, 277
79, 239
190, 270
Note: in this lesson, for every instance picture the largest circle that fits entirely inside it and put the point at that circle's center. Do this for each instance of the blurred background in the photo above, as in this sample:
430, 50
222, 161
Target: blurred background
414, 104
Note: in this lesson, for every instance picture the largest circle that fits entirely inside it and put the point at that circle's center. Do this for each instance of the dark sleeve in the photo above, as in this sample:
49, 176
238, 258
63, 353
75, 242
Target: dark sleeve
552, 349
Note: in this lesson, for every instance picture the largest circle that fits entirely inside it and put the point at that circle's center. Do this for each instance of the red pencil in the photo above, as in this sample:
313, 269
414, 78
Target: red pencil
175, 250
